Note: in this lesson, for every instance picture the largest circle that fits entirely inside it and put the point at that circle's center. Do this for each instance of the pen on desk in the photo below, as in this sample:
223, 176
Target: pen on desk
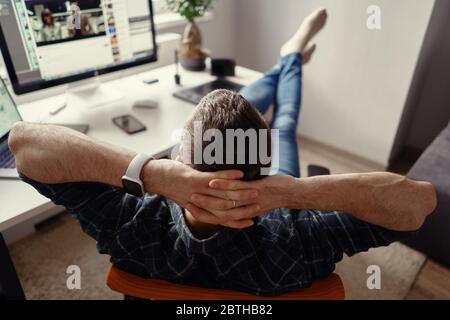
177, 71
150, 81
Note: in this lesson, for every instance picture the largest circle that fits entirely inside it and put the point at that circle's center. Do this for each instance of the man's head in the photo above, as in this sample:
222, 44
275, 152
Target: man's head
246, 144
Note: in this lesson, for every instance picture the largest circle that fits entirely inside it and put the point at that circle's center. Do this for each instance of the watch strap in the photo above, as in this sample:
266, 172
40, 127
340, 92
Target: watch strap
135, 167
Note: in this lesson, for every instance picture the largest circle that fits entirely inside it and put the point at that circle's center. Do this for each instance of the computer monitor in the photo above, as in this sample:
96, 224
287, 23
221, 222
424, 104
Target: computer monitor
45, 43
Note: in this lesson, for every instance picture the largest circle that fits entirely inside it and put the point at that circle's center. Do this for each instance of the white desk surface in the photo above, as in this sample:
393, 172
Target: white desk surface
20, 202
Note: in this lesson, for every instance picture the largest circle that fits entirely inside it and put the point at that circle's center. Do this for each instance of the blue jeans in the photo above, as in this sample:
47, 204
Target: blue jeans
281, 86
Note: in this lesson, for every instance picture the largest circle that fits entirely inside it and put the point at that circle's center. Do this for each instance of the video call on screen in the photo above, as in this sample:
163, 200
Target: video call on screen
51, 39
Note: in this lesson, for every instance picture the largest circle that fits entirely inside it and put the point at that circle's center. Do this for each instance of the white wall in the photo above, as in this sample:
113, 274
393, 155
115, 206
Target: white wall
219, 34
356, 87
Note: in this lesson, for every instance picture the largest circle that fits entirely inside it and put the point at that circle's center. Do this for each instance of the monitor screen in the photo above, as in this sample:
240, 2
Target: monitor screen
51, 42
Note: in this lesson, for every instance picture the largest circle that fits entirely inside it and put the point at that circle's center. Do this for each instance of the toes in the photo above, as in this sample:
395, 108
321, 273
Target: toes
321, 11
321, 15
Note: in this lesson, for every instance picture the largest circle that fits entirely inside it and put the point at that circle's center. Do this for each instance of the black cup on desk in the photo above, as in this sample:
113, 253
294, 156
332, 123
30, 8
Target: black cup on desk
223, 67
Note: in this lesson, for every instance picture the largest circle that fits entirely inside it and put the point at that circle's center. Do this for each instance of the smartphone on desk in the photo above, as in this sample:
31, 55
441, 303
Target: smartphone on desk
129, 124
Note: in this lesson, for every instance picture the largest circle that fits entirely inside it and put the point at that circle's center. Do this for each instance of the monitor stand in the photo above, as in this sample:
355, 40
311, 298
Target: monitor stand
91, 95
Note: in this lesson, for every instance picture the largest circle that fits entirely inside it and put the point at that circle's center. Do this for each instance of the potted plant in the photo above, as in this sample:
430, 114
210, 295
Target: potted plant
192, 56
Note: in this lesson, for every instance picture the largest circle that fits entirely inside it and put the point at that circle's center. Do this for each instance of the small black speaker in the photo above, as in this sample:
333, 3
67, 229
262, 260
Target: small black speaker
223, 67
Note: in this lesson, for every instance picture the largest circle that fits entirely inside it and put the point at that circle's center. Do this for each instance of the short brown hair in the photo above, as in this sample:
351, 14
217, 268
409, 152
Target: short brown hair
47, 13
222, 110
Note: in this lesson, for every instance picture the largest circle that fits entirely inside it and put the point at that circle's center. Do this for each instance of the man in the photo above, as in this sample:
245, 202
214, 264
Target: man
231, 233
74, 20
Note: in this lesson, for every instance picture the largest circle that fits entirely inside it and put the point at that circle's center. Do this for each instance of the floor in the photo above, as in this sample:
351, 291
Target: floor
433, 282
42, 261
60, 243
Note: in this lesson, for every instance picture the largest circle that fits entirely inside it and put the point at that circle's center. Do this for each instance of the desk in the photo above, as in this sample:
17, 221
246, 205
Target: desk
20, 202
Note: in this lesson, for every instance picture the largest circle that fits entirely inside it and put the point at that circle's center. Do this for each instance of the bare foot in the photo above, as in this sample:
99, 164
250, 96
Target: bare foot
307, 31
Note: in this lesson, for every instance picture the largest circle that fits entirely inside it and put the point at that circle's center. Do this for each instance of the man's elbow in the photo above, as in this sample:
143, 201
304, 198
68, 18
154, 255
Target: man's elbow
18, 142
16, 137
426, 206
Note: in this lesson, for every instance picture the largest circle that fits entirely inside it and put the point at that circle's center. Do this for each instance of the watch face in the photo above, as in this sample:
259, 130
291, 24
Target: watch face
132, 188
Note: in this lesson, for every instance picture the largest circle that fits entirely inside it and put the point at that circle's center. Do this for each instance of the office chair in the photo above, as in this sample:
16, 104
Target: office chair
136, 288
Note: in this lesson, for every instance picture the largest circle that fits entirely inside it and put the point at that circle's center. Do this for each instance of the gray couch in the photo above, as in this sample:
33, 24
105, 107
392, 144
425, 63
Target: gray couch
434, 166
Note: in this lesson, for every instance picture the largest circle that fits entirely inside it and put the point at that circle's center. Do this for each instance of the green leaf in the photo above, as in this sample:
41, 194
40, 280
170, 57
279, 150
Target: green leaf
190, 9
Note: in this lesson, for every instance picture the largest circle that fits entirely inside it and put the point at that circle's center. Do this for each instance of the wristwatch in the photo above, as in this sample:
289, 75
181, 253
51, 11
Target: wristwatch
131, 181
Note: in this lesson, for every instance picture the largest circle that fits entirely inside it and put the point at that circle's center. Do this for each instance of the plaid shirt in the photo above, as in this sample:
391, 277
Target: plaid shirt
284, 250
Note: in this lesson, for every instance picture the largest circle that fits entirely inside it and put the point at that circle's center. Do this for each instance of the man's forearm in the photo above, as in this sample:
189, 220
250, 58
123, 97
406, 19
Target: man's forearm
52, 154
385, 199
